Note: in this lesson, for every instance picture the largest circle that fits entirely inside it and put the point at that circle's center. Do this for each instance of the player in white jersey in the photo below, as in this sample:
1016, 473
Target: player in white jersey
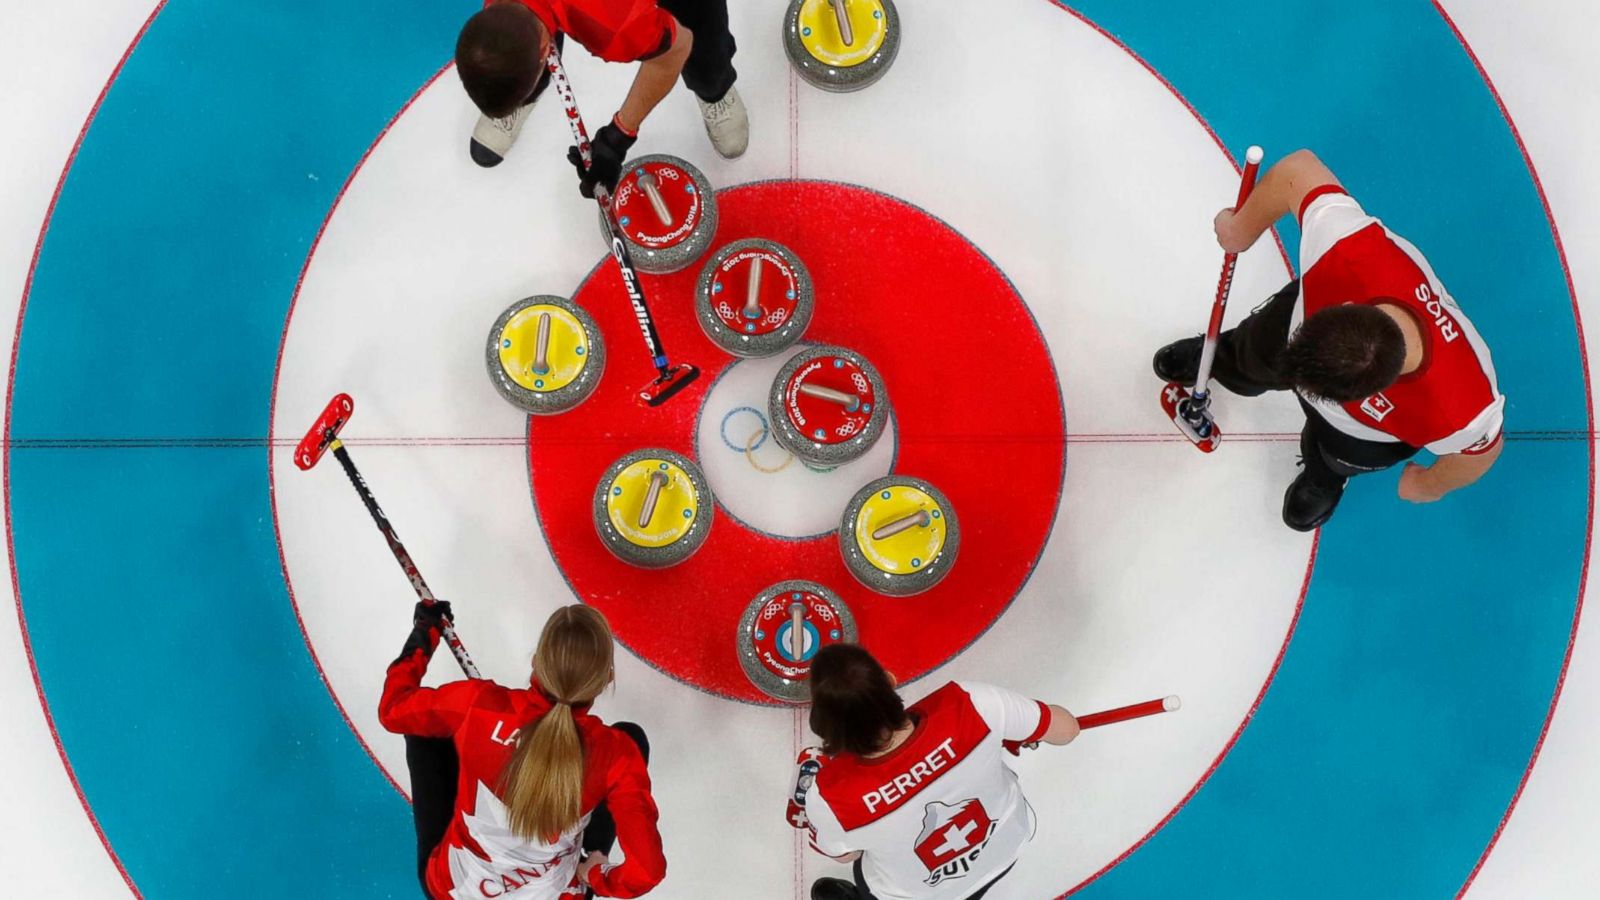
920, 799
1384, 361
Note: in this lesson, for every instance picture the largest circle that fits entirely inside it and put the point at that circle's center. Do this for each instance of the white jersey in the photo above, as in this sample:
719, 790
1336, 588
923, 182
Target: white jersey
942, 815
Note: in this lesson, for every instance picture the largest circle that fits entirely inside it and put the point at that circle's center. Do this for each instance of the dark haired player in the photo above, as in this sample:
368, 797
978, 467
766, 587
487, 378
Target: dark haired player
919, 798
501, 51
1383, 361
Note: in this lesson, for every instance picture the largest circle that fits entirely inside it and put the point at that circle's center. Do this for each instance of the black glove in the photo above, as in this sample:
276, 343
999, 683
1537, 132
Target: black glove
427, 623
608, 149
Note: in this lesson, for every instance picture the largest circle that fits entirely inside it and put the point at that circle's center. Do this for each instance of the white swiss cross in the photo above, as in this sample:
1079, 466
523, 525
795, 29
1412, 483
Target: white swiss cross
1377, 406
956, 838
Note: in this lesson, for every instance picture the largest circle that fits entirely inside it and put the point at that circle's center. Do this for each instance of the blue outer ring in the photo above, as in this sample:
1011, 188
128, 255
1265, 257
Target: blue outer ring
1368, 770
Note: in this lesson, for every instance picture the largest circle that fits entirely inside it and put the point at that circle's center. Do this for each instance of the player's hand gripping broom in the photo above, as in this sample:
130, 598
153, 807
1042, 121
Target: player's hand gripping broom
669, 379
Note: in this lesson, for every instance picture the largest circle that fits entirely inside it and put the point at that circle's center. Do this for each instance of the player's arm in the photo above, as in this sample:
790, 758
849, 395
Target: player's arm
406, 707
1425, 484
1279, 193
1063, 727
654, 81
1056, 726
827, 836
638, 834
1021, 721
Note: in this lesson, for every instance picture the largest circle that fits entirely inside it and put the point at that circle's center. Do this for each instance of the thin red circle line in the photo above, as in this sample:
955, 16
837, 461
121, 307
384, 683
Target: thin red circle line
272, 420
1173, 90
1227, 748
1588, 393
22, 623
1305, 585
5, 466
1590, 436
794, 149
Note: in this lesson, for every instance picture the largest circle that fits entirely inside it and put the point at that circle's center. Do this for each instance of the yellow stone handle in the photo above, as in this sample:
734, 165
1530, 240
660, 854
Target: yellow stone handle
904, 523
658, 480
541, 354
846, 33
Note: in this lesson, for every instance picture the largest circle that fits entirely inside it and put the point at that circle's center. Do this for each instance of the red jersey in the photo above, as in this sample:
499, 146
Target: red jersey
481, 858
941, 815
614, 30
1451, 404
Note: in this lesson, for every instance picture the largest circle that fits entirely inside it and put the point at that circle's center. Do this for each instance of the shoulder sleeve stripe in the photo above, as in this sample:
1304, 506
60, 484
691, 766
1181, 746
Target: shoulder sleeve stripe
1311, 197
1044, 724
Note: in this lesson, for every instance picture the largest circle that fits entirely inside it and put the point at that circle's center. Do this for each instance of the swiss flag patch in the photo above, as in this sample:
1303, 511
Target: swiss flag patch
1377, 406
950, 833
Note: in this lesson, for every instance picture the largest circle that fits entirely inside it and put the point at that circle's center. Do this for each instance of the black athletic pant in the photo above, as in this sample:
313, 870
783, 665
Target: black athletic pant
865, 893
709, 70
1247, 364
434, 770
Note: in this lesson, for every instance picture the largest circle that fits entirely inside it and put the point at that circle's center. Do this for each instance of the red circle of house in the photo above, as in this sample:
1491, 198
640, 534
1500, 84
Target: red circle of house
977, 406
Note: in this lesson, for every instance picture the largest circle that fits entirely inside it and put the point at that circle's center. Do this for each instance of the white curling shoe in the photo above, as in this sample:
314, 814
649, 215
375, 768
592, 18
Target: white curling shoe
727, 124
492, 138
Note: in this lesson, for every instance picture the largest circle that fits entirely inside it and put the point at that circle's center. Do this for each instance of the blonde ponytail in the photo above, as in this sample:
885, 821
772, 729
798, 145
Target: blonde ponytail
542, 784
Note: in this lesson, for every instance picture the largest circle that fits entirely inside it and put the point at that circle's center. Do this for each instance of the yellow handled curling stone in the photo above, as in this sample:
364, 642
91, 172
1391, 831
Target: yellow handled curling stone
653, 508
899, 536
545, 355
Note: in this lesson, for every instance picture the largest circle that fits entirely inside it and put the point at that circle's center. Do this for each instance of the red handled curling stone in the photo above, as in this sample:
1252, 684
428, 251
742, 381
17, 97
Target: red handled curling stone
653, 508
782, 631
666, 212
827, 406
899, 536
754, 298
545, 355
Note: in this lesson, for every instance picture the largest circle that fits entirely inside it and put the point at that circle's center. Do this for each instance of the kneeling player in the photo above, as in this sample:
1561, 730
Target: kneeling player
919, 798
520, 792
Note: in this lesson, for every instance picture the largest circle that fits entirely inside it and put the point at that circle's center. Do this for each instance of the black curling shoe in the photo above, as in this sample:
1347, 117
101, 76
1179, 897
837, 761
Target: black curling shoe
1314, 493
1179, 361
833, 889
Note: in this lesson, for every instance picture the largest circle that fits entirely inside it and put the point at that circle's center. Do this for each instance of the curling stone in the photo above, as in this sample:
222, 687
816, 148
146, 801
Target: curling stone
827, 406
841, 45
653, 508
754, 298
545, 355
666, 211
899, 536
781, 632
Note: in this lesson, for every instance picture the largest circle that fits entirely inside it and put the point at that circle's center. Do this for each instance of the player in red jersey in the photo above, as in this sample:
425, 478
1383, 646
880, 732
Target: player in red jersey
1383, 360
521, 792
501, 51
919, 799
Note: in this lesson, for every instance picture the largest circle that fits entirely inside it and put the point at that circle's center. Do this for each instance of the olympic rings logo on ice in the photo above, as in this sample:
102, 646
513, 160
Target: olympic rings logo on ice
756, 439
